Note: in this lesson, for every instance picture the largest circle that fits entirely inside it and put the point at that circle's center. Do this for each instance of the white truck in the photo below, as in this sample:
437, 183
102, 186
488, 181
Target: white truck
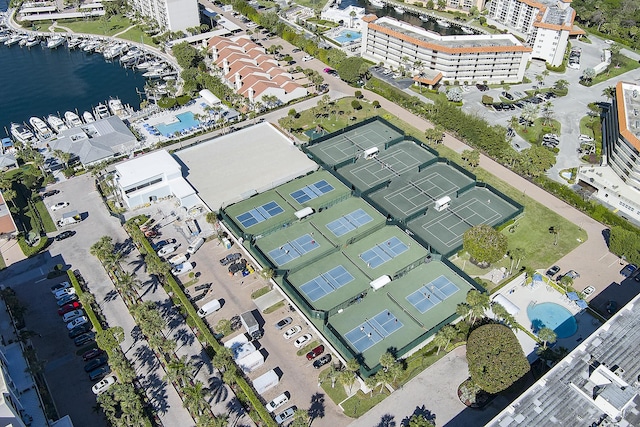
237, 341
240, 352
208, 308
249, 322
69, 218
251, 361
266, 381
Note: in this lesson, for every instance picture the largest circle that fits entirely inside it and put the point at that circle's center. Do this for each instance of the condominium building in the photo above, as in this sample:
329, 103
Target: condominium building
616, 181
171, 15
466, 59
465, 4
545, 25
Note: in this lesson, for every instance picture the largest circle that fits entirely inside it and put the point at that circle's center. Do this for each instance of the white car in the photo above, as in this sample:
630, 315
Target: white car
166, 250
78, 321
185, 267
291, 332
64, 292
59, 205
588, 291
302, 340
59, 287
307, 58
585, 138
285, 415
277, 402
72, 315
104, 384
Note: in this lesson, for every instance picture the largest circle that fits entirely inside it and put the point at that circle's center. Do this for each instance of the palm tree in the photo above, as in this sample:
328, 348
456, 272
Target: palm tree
127, 284
332, 374
352, 16
347, 378
609, 92
561, 84
547, 335
222, 359
444, 337
387, 360
370, 383
463, 310
9, 195
434, 135
180, 371
440, 340
566, 281
539, 78
194, 398
545, 74
62, 156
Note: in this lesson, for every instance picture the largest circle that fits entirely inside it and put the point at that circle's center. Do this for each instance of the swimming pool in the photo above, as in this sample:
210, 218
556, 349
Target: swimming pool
183, 122
553, 316
347, 36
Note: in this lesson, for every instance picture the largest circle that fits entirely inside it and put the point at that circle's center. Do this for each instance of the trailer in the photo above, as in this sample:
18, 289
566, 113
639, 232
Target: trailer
266, 381
69, 218
243, 350
251, 362
249, 322
237, 341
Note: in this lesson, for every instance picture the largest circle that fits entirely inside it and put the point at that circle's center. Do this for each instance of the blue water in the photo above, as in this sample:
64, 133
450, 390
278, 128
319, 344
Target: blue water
41, 81
187, 120
553, 316
347, 36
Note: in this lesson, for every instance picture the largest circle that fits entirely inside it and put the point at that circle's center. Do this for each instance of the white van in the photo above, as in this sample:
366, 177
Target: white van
277, 402
178, 259
208, 308
195, 245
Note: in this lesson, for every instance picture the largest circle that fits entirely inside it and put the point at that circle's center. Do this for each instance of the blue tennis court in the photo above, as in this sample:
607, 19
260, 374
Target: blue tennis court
293, 249
259, 214
374, 330
349, 222
383, 252
326, 283
432, 294
312, 191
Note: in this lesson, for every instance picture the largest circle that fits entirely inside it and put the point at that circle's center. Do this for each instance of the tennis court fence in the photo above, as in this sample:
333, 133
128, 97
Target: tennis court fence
376, 187
416, 215
426, 164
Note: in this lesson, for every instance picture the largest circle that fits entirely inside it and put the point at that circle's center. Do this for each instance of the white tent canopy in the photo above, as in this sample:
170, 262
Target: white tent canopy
511, 308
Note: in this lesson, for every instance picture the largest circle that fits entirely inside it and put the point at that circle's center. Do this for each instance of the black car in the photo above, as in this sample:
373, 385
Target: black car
628, 270
230, 258
612, 306
507, 95
482, 88
238, 266
553, 271
158, 245
96, 374
95, 363
50, 193
498, 107
79, 330
85, 338
64, 235
322, 361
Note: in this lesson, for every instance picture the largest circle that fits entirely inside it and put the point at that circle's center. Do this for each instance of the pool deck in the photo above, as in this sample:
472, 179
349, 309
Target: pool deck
522, 295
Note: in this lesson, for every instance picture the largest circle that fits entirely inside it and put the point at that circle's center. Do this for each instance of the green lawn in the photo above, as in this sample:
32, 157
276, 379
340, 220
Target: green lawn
612, 72
136, 34
313, 4
533, 134
113, 25
360, 403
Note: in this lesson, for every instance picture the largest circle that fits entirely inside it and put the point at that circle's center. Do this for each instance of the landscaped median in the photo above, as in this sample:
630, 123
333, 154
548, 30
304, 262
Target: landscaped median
204, 333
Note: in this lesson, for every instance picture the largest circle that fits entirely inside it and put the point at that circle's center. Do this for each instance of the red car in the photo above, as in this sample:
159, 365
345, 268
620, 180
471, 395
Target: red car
315, 352
69, 307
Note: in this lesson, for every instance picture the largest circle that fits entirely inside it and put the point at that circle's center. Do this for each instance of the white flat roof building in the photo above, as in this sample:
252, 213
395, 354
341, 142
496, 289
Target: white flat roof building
236, 166
172, 15
463, 58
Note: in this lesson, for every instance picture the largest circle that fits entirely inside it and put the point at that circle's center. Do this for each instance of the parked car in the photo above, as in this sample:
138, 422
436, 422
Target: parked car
585, 138
79, 330
50, 193
67, 300
292, 331
628, 270
552, 271
95, 363
612, 307
59, 294
284, 322
103, 385
482, 88
92, 354
300, 342
573, 274
59, 205
588, 291
183, 268
83, 339
307, 58
96, 374
277, 402
166, 250
72, 315
230, 258
323, 360
64, 235
78, 321
315, 352
60, 286
285, 415
69, 307
507, 95
158, 245
237, 266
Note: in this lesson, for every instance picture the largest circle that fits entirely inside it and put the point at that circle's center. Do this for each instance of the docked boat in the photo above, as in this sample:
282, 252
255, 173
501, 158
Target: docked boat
74, 42
116, 107
56, 123
40, 127
91, 46
144, 65
4, 37
467, 30
32, 41
22, 133
55, 41
424, 18
88, 117
83, 44
72, 119
443, 23
376, 3
155, 73
399, 9
101, 112
15, 38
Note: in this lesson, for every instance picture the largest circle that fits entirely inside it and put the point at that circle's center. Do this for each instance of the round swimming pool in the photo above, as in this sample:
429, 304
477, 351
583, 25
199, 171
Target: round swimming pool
553, 316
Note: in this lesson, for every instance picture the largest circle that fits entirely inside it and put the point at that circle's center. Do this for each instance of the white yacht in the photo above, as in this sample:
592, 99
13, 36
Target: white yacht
22, 133
4, 37
74, 42
56, 123
72, 119
376, 3
443, 23
467, 30
116, 107
424, 18
144, 65
40, 127
399, 9
88, 117
55, 41
15, 38
101, 112
32, 41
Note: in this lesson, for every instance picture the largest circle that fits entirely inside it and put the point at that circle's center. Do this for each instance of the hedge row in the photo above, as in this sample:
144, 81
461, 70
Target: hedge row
204, 330
88, 309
